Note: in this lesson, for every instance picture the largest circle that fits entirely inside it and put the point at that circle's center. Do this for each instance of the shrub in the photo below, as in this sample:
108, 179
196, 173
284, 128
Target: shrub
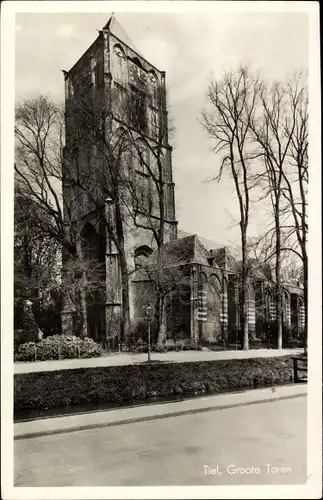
58, 347
19, 337
26, 352
119, 385
287, 332
180, 335
49, 320
140, 332
188, 345
30, 331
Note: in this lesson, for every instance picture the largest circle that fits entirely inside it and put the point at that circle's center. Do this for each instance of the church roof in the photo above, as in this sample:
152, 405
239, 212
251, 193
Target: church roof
116, 29
187, 250
220, 253
208, 244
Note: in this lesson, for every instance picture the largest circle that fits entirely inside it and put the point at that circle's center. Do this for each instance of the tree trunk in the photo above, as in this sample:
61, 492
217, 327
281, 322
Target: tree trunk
244, 317
278, 283
161, 321
82, 287
125, 315
244, 292
305, 273
125, 306
161, 235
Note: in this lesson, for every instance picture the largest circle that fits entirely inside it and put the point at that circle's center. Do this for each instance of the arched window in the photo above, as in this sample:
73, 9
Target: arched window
137, 62
118, 50
152, 77
93, 244
138, 108
214, 303
141, 255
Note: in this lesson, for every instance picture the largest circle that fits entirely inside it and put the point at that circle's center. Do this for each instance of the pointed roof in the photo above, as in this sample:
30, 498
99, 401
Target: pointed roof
216, 251
116, 29
187, 250
208, 244
107, 26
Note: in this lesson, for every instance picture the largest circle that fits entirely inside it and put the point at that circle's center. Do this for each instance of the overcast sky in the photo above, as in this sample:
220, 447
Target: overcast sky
190, 48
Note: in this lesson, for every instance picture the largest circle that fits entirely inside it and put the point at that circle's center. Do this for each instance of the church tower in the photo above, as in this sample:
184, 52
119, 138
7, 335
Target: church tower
113, 87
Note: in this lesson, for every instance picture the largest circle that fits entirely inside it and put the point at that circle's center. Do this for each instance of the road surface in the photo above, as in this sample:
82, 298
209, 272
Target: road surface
264, 443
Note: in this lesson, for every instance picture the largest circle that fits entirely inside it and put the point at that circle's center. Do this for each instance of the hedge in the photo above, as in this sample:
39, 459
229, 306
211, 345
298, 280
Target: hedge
121, 385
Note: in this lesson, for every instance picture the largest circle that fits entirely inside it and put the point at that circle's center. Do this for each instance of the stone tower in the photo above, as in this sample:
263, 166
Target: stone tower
115, 78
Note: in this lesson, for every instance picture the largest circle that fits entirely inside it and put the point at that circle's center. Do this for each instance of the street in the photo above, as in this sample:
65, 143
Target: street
263, 443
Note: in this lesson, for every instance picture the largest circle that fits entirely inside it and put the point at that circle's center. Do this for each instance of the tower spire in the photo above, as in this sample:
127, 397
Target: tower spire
109, 23
116, 29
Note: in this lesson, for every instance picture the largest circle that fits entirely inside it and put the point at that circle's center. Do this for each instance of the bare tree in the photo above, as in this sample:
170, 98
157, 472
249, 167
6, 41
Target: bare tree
268, 129
40, 174
37, 258
232, 106
280, 129
296, 175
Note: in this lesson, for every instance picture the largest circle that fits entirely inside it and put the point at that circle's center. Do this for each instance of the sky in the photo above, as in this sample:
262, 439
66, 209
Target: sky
192, 48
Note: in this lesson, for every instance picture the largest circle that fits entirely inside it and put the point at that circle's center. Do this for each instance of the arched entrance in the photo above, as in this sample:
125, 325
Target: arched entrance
93, 244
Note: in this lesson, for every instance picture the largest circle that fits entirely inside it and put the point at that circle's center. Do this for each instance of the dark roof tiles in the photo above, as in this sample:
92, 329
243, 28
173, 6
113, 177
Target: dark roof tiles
187, 250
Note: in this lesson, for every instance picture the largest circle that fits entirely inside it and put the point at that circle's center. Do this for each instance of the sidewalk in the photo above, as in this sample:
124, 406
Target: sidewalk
119, 359
106, 418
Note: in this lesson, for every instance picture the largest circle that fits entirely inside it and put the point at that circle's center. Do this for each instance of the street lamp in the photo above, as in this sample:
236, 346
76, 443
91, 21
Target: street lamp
149, 311
237, 304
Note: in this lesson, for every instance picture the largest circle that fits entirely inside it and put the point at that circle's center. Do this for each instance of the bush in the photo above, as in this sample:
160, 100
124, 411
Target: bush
19, 337
120, 385
139, 333
170, 344
30, 331
49, 320
58, 347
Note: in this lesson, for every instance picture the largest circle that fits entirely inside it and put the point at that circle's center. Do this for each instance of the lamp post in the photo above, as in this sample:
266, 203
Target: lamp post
149, 310
237, 304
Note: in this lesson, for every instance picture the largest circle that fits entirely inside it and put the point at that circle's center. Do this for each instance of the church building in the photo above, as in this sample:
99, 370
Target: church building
128, 94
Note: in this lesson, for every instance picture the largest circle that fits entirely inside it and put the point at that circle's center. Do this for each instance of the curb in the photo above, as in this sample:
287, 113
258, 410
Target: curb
176, 413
